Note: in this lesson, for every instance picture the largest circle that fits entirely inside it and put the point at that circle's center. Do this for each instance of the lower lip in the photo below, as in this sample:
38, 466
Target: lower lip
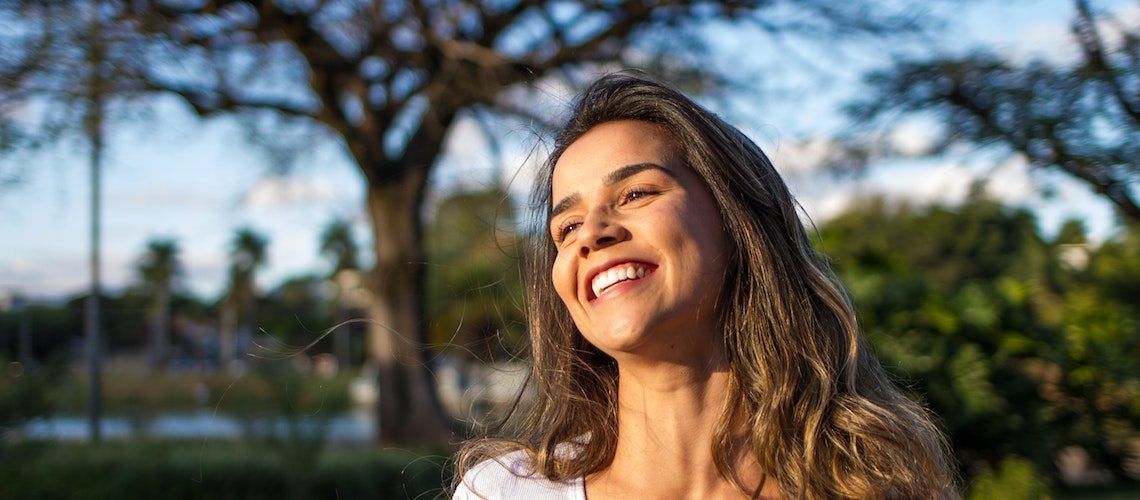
621, 287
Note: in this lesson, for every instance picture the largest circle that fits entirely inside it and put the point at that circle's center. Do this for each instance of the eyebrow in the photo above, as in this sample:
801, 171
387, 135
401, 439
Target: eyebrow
614, 177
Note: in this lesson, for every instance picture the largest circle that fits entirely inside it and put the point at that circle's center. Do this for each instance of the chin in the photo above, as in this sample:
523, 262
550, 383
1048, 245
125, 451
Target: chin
620, 341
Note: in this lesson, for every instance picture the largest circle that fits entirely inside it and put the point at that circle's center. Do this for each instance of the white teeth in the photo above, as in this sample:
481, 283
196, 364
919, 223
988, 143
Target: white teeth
611, 276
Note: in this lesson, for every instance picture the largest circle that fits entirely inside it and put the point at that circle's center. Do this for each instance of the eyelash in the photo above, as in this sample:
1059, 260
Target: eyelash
630, 195
638, 191
565, 228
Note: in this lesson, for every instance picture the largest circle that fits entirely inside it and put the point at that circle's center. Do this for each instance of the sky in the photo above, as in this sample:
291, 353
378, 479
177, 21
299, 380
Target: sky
173, 176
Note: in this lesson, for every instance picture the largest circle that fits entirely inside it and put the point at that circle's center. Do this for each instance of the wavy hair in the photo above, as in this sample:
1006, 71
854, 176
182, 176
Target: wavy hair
807, 396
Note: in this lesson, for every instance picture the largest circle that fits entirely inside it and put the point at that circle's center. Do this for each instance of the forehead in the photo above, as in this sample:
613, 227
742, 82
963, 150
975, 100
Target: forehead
609, 146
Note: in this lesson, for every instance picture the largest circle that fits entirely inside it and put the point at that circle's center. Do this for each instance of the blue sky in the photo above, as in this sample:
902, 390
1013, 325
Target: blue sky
173, 176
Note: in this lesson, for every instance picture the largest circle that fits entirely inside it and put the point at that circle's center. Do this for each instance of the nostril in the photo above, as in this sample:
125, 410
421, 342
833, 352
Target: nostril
595, 238
599, 242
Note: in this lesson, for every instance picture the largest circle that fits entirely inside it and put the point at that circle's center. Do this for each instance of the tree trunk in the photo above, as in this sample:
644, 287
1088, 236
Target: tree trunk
93, 334
160, 321
164, 327
409, 411
342, 335
226, 333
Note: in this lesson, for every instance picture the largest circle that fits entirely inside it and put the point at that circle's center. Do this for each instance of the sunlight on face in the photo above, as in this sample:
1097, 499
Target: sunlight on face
641, 246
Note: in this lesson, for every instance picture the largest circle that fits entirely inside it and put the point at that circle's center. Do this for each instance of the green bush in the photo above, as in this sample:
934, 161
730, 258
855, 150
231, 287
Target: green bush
23, 392
1015, 479
213, 470
251, 394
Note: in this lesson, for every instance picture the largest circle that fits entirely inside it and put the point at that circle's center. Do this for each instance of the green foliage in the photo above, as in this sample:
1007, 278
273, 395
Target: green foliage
53, 326
24, 393
210, 470
474, 286
296, 313
338, 244
260, 393
294, 425
160, 265
1020, 345
1015, 479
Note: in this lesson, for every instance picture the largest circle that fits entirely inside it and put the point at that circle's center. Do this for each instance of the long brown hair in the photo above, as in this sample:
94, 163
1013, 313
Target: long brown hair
806, 393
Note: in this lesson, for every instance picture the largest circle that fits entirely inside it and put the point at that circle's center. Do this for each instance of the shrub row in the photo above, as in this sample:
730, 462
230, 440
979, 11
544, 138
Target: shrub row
214, 470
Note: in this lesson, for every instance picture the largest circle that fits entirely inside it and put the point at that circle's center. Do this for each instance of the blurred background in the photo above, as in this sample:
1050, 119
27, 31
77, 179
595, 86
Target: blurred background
265, 249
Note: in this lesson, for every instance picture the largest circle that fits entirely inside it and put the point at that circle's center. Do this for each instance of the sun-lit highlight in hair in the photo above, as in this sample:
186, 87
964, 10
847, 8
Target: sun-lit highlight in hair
806, 393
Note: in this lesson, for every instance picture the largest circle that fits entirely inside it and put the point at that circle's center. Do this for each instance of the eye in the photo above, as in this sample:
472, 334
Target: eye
635, 194
565, 229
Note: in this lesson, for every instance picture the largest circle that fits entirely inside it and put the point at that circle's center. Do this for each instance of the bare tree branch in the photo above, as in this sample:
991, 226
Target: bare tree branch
1089, 38
208, 104
389, 77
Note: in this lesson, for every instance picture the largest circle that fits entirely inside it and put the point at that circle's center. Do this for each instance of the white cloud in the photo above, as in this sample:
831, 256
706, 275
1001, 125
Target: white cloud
204, 271
913, 137
1010, 181
275, 191
151, 198
804, 155
59, 274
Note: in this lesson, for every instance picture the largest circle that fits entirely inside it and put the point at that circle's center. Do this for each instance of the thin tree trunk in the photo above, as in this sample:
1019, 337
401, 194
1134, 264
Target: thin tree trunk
160, 321
342, 336
25, 335
94, 128
93, 336
152, 335
409, 411
226, 333
247, 321
164, 329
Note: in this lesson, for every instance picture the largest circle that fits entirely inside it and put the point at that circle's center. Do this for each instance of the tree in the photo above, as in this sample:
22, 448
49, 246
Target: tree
387, 79
87, 44
85, 41
474, 284
338, 244
1018, 353
158, 268
239, 306
288, 312
1081, 118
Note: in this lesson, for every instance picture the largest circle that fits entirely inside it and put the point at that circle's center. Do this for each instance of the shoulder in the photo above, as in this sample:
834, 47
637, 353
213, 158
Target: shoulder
512, 476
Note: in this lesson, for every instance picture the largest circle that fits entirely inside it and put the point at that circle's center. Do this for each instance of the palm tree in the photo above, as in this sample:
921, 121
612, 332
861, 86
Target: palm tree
158, 269
239, 308
338, 244
80, 63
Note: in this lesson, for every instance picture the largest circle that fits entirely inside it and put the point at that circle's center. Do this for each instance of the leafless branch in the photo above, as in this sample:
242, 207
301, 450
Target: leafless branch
1092, 44
207, 103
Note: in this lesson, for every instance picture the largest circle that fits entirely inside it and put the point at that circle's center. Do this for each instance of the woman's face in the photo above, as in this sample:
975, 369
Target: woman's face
641, 248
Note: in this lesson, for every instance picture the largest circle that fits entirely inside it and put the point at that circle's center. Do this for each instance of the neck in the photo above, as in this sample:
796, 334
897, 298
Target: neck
667, 413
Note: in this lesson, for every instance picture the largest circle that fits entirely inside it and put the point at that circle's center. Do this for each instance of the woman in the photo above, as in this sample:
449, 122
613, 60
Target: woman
687, 340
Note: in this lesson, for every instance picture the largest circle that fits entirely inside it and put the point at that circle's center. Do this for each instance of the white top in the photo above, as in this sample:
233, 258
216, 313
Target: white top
512, 476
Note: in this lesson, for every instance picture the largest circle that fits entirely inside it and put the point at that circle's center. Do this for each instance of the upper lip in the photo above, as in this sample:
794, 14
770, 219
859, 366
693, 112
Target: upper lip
596, 270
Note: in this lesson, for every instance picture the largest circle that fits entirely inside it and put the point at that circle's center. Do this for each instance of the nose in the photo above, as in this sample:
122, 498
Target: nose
600, 230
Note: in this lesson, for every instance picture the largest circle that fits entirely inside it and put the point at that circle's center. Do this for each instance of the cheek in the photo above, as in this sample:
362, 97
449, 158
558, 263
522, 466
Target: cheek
708, 229
563, 277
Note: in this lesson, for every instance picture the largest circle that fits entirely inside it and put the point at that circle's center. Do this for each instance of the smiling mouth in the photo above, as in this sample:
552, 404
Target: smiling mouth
617, 274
